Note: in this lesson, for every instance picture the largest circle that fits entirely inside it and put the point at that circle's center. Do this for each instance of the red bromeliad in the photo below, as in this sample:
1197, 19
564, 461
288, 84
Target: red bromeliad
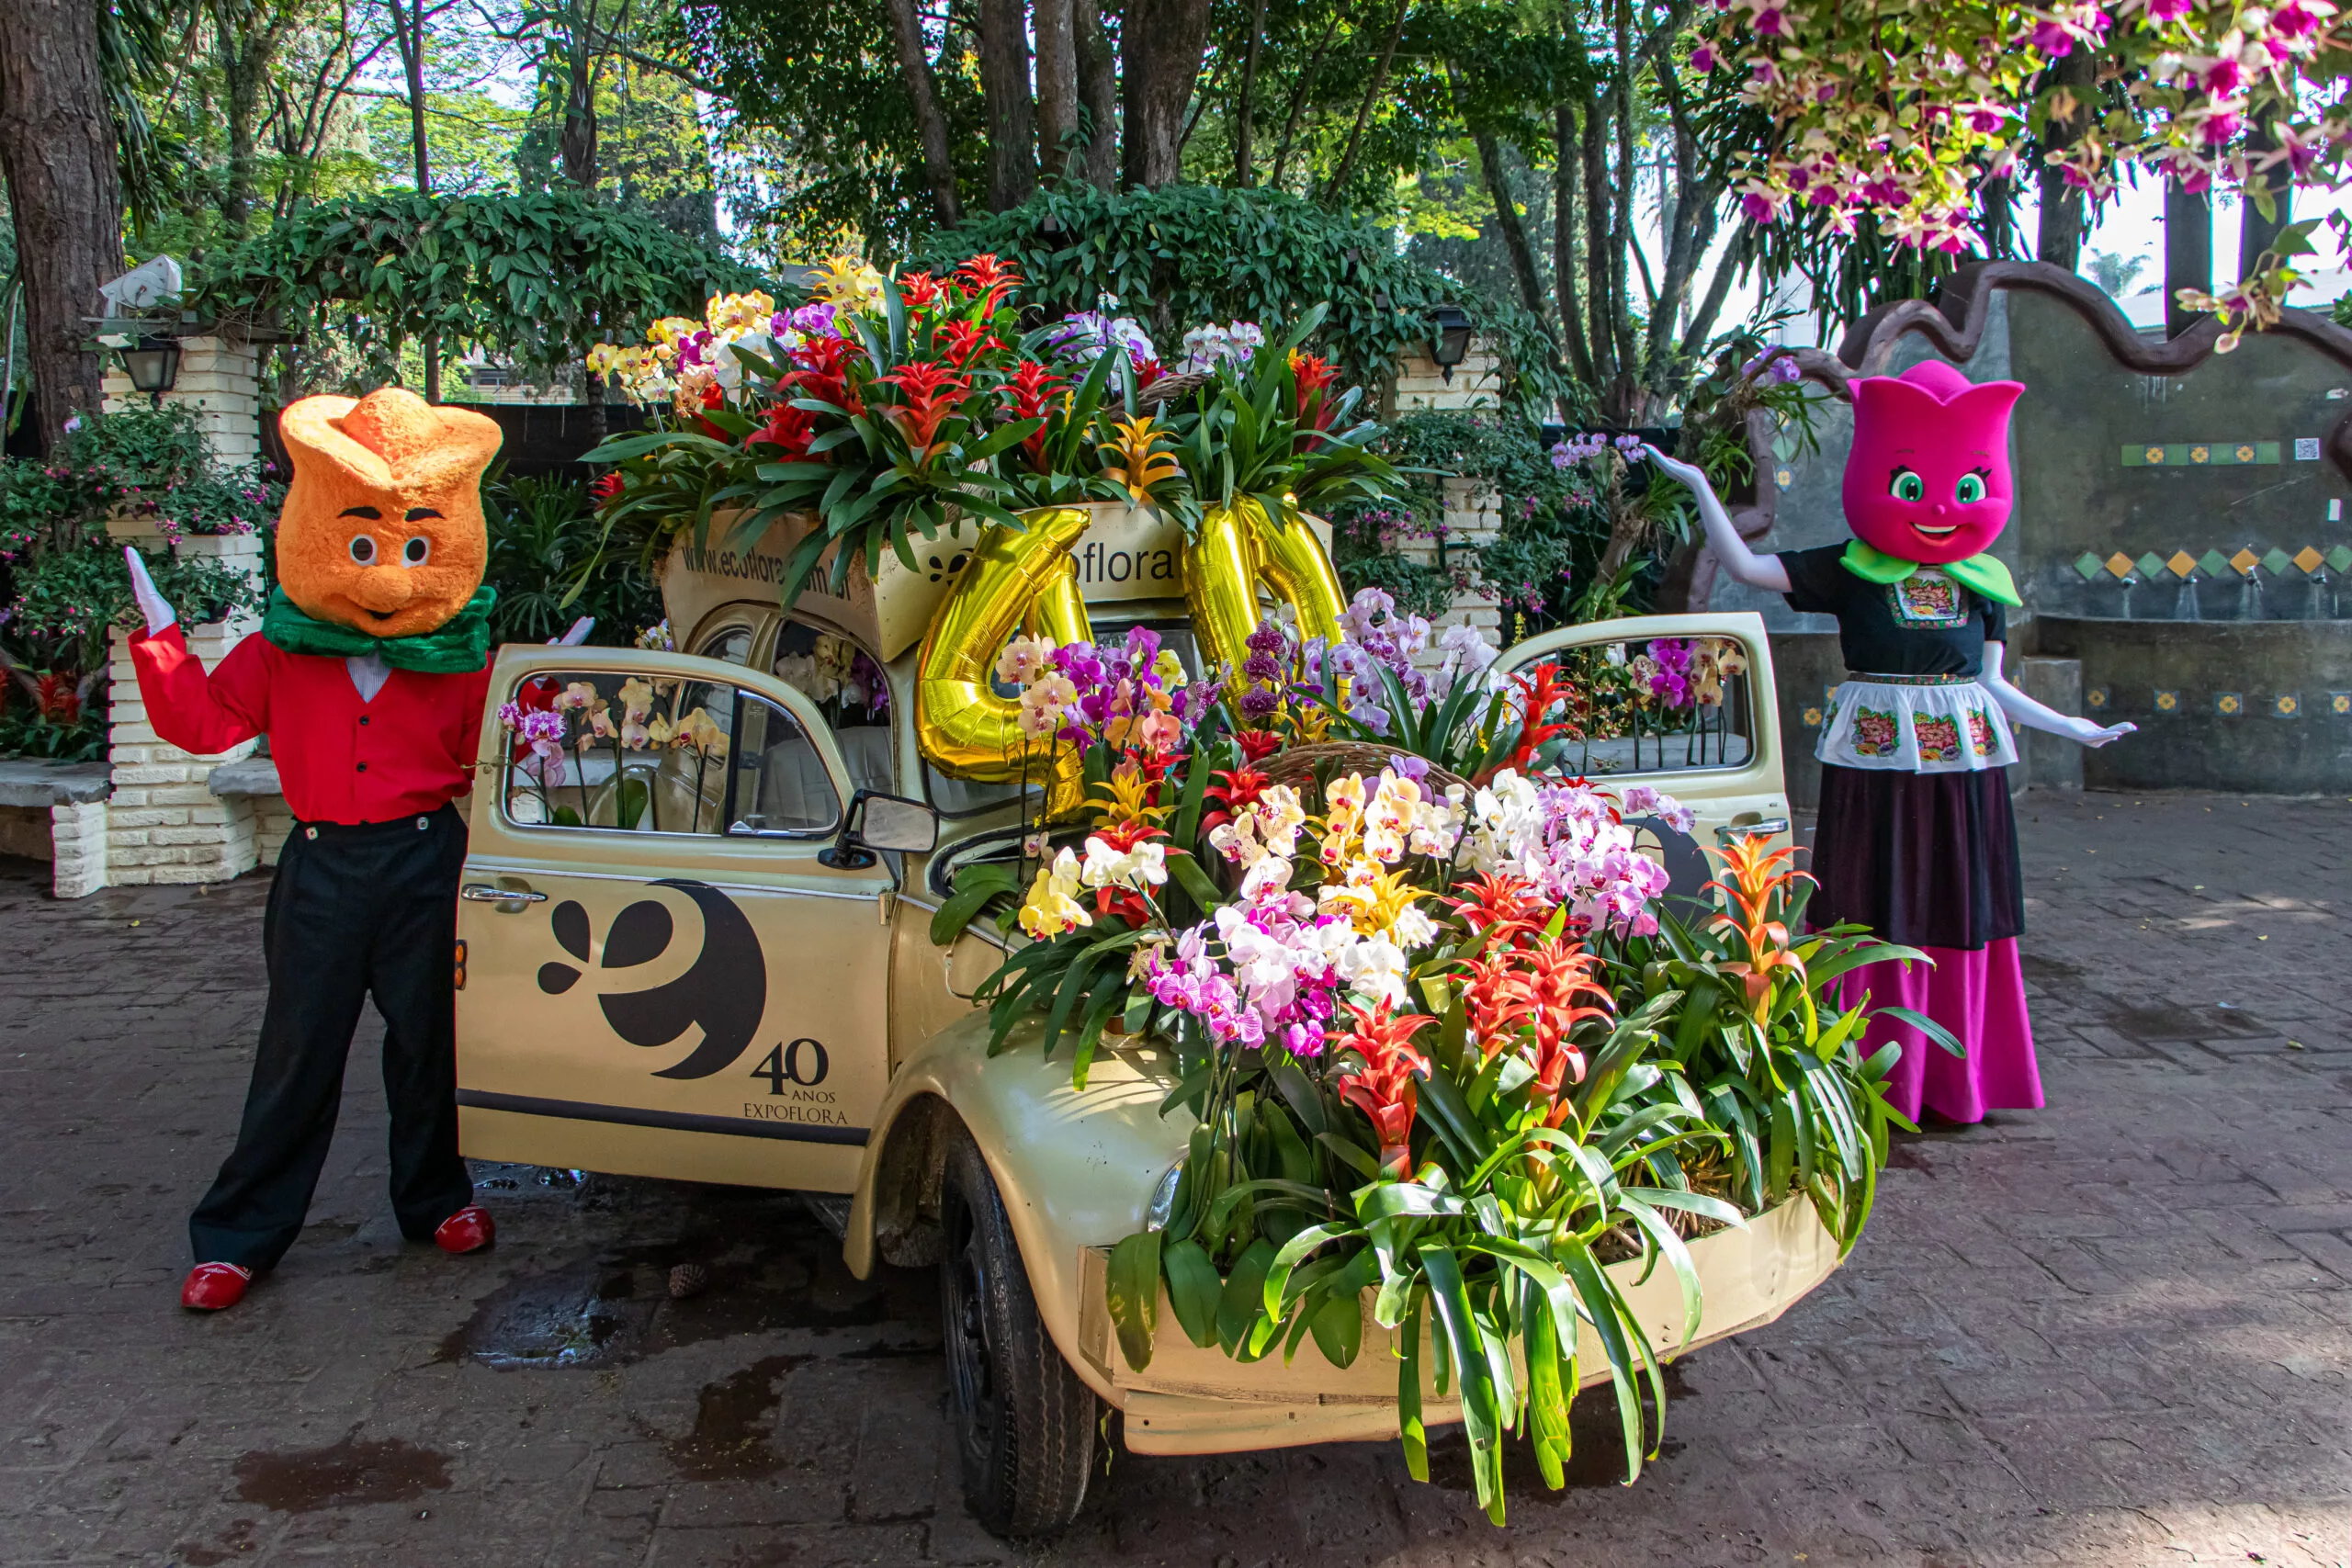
960, 341
790, 428
932, 393
1238, 791
607, 486
1257, 745
986, 277
1387, 1091
1313, 374
1562, 987
1032, 387
1540, 690
920, 290
823, 374
59, 699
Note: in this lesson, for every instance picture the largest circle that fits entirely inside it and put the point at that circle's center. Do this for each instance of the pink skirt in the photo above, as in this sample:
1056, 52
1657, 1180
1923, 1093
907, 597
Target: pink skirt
1979, 996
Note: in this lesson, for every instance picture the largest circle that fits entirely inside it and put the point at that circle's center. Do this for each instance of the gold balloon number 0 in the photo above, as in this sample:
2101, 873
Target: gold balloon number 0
1027, 579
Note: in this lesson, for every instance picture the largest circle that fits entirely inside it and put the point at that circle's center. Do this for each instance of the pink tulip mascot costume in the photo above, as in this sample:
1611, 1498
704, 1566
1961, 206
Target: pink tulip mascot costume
1915, 837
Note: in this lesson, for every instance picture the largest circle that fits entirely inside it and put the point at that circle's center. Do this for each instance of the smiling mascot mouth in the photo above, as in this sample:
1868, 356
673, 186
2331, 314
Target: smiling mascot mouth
1931, 531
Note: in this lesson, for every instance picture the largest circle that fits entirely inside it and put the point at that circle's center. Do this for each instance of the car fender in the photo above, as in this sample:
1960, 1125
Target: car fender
1076, 1168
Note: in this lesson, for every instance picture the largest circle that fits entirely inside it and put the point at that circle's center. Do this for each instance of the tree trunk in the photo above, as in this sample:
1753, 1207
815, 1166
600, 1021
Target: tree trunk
1098, 94
1245, 156
1004, 97
57, 154
1598, 245
578, 141
2188, 253
914, 65
1162, 41
2059, 241
409, 28
1298, 96
1508, 219
241, 77
1563, 239
1339, 181
1056, 22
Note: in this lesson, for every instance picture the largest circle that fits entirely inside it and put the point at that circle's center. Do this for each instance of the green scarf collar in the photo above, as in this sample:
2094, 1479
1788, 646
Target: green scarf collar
1982, 573
458, 647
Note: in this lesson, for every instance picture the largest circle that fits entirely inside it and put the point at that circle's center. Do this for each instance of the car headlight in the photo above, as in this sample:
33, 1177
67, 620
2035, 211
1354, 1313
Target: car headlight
1163, 1199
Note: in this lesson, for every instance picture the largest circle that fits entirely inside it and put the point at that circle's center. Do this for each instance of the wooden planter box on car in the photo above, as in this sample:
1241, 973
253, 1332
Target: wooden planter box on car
1191, 1400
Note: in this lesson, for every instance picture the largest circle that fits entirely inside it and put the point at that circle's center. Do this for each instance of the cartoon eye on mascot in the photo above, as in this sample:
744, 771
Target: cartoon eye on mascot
368, 675
1916, 837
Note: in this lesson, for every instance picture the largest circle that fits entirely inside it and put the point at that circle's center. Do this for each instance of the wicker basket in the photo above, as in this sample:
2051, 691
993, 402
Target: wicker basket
1171, 388
1303, 767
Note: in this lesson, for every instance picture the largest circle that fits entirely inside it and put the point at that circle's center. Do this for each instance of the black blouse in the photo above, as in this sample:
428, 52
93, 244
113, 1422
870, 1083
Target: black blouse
1929, 624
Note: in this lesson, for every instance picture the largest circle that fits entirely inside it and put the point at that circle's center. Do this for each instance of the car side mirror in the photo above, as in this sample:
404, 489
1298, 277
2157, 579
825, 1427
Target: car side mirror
878, 821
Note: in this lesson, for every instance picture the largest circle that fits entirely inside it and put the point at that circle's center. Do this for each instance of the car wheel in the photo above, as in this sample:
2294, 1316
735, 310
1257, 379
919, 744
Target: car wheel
1024, 1423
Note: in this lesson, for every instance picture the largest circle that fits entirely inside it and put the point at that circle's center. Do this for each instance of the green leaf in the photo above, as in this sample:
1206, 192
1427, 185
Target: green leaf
1133, 1289
1193, 1290
1242, 1302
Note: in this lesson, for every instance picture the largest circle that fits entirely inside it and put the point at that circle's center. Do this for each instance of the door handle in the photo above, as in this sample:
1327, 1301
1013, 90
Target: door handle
482, 893
1764, 828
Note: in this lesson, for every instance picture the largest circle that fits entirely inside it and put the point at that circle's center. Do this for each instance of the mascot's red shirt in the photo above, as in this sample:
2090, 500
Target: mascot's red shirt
339, 758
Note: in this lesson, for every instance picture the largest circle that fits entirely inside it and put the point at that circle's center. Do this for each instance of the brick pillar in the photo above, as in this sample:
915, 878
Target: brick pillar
1472, 513
165, 824
220, 379
77, 839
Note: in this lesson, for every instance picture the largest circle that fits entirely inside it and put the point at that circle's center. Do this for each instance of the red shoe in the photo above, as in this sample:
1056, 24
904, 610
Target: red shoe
468, 1230
212, 1286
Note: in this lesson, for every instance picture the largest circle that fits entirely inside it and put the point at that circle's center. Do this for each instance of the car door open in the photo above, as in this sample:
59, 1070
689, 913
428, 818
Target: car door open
668, 966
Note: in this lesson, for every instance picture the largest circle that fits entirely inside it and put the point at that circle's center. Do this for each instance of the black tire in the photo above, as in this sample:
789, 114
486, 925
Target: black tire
1025, 1424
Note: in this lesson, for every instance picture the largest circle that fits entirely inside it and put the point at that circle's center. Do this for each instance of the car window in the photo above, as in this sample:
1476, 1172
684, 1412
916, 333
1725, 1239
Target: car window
780, 784
1648, 705
644, 753
846, 684
731, 645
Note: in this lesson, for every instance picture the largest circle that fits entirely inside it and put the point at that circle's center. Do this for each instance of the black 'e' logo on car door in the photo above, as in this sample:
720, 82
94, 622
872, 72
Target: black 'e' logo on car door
725, 989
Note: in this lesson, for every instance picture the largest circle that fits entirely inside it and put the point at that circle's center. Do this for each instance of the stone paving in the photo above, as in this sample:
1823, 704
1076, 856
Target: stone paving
2118, 1331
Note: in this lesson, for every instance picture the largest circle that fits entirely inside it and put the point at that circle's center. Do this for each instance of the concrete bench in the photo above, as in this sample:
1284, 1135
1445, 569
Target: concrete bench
254, 779
57, 812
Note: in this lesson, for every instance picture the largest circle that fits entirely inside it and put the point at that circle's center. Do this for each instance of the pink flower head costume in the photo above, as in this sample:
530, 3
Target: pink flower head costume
1917, 840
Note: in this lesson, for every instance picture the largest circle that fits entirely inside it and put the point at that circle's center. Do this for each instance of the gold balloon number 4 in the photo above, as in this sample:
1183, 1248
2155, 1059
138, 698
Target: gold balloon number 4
1026, 578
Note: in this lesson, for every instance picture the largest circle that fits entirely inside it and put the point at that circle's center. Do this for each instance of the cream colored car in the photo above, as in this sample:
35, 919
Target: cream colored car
700, 949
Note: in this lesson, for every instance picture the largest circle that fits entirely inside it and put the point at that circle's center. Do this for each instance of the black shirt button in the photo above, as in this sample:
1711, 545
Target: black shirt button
363, 718
363, 767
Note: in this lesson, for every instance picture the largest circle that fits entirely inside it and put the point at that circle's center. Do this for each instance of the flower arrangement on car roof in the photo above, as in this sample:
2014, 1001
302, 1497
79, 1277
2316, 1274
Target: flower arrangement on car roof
889, 407
1445, 1037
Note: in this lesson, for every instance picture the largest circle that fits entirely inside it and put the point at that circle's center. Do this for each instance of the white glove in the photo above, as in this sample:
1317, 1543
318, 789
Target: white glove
577, 635
142, 589
2096, 735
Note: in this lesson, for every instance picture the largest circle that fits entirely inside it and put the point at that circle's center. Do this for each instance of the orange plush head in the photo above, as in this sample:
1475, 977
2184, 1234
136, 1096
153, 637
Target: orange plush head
382, 530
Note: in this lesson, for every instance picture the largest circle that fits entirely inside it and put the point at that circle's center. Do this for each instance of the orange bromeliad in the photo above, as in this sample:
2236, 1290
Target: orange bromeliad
1387, 1091
1503, 902
1759, 876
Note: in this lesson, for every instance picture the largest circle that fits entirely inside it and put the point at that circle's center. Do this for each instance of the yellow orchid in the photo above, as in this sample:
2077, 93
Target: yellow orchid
1052, 906
739, 312
1131, 460
848, 282
699, 730
671, 330
637, 697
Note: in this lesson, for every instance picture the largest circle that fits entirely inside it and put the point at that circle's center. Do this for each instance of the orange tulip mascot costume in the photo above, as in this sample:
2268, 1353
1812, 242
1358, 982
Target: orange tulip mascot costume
368, 676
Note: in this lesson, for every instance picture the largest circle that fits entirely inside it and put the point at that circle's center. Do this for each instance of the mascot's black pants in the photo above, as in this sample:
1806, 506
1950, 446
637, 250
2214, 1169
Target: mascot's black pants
354, 912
